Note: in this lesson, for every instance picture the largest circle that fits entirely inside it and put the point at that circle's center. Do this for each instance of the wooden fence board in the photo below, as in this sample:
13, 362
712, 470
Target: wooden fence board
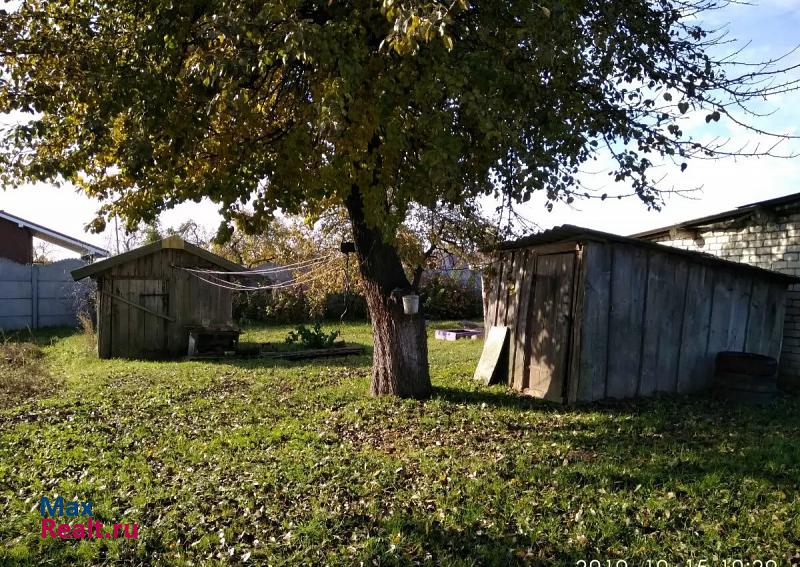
693, 367
758, 325
740, 311
520, 327
628, 281
664, 309
594, 342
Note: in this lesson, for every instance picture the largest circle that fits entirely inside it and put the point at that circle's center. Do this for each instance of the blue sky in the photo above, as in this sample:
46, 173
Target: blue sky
772, 27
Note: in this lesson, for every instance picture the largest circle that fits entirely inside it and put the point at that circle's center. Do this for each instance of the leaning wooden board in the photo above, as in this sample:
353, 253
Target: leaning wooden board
491, 357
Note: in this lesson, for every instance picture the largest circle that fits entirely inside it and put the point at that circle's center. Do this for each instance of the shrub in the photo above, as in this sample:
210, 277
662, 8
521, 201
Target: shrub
288, 305
352, 305
315, 337
444, 297
293, 305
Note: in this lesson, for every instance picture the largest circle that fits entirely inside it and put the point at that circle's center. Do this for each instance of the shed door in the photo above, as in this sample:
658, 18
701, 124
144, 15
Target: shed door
550, 325
137, 330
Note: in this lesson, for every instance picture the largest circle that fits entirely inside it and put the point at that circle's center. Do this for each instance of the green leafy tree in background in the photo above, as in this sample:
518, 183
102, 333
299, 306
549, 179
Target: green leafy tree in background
374, 106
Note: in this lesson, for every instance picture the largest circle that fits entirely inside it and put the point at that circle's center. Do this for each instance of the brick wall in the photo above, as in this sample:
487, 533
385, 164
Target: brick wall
15, 243
772, 243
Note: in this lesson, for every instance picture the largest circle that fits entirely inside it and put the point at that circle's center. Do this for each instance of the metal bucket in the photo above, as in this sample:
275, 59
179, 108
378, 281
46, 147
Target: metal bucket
411, 304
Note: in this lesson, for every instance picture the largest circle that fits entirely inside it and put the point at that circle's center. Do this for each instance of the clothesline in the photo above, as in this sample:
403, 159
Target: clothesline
265, 271
302, 279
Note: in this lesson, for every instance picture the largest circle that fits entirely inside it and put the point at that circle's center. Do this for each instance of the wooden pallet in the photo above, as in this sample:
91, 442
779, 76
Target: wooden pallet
286, 355
316, 353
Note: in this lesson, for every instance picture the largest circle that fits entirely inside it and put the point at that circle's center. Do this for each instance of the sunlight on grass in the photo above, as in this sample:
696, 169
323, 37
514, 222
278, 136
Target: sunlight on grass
284, 462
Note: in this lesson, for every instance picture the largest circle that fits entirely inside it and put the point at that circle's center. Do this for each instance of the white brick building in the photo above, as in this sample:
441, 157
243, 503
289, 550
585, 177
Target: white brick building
765, 234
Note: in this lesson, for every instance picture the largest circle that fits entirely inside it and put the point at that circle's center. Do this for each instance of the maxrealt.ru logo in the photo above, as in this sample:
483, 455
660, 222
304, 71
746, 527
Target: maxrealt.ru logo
75, 509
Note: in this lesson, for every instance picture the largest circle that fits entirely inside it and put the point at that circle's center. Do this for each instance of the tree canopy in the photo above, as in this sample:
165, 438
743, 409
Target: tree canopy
290, 104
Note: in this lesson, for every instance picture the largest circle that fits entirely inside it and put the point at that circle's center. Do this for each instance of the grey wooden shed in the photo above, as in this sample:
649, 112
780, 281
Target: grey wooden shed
148, 300
593, 315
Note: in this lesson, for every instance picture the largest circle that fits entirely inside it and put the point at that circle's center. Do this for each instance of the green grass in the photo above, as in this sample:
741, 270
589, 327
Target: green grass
292, 462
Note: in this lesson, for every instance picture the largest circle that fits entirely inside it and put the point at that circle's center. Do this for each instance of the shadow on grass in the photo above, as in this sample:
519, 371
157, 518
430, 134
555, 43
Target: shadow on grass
40, 337
440, 545
683, 438
496, 396
502, 397
353, 360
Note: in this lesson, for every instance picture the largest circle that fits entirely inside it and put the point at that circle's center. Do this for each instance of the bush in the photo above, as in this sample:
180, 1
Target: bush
444, 297
288, 305
355, 303
251, 306
293, 305
315, 337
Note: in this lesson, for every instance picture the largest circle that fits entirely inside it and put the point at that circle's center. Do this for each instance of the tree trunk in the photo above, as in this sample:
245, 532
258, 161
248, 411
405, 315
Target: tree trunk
400, 357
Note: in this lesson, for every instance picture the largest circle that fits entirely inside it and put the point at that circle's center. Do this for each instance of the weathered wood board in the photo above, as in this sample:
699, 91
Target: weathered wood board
551, 315
519, 379
663, 324
626, 321
694, 363
594, 317
491, 361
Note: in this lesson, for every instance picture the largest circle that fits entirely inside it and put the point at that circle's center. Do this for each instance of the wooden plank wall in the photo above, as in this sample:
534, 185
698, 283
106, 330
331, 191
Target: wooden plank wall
126, 331
653, 321
521, 329
507, 286
626, 321
549, 336
508, 300
663, 324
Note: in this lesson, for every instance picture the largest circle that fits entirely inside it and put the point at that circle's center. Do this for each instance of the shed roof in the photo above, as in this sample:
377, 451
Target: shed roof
731, 214
569, 232
55, 237
171, 242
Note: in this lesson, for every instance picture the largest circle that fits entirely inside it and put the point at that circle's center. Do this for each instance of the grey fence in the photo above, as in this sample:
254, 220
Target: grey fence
33, 296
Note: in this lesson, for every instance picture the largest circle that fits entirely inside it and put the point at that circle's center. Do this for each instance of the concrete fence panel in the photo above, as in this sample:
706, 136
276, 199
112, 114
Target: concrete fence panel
34, 296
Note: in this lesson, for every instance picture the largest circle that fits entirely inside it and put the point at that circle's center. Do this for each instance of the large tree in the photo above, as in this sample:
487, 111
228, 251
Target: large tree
374, 106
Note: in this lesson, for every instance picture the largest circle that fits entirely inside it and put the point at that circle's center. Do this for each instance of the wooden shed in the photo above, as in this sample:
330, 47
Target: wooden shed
593, 315
149, 299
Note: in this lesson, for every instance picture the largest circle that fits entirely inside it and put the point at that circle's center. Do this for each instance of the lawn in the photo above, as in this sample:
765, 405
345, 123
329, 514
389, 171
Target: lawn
271, 462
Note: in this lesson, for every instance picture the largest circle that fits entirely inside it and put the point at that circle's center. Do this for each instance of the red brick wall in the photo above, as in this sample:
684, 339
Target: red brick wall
15, 243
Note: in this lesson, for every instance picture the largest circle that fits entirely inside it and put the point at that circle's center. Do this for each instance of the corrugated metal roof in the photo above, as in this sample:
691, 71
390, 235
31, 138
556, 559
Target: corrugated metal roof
170, 242
568, 232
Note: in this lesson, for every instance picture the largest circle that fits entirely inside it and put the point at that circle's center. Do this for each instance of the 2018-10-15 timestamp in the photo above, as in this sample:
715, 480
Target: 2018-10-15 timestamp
681, 563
